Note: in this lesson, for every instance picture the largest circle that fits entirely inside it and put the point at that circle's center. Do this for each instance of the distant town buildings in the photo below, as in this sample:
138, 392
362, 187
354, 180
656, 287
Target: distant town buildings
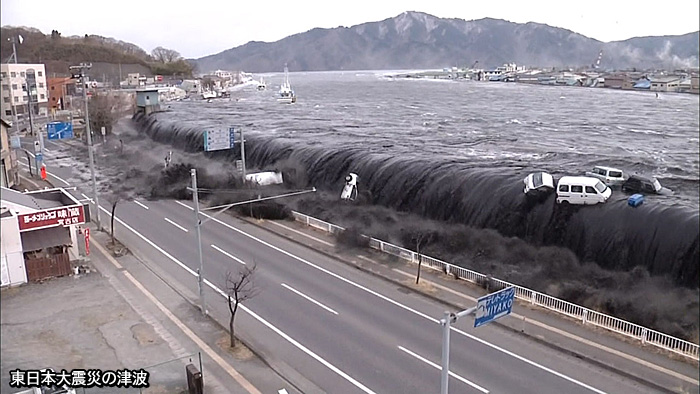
677, 81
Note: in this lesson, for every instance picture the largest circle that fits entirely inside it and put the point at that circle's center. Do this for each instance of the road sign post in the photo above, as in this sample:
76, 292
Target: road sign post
488, 308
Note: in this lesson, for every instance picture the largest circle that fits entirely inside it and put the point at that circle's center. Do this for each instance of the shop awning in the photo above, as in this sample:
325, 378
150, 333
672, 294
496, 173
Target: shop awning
45, 238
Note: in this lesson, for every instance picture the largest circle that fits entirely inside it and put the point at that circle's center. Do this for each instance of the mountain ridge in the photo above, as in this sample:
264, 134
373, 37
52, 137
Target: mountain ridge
415, 39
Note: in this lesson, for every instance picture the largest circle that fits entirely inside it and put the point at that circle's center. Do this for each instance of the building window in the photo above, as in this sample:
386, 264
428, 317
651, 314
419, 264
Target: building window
22, 74
8, 112
16, 99
41, 84
25, 98
14, 86
39, 73
5, 87
42, 96
3, 74
53, 87
6, 99
13, 74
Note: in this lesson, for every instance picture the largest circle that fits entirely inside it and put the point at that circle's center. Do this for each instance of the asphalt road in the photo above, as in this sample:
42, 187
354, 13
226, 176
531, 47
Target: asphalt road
345, 331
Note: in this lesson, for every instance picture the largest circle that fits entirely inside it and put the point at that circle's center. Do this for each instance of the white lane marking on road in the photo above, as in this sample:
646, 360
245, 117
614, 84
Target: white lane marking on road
184, 205
300, 233
47, 149
59, 178
400, 305
88, 198
142, 205
286, 286
227, 254
176, 225
439, 368
249, 311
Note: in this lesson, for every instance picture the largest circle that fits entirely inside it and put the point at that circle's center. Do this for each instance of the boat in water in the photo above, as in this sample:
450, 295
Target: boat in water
261, 84
208, 95
286, 95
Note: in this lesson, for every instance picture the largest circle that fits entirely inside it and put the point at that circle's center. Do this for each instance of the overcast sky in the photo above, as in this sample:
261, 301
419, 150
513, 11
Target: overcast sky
197, 29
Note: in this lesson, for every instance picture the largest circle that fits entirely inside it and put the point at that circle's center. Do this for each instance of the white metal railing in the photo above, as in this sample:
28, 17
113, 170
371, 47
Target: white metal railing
585, 315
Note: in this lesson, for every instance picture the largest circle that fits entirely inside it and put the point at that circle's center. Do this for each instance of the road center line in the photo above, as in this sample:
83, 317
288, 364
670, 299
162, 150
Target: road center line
439, 368
176, 225
286, 286
142, 205
400, 305
249, 311
227, 254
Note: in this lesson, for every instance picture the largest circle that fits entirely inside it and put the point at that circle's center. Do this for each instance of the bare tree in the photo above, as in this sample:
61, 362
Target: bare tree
113, 199
164, 55
421, 239
239, 288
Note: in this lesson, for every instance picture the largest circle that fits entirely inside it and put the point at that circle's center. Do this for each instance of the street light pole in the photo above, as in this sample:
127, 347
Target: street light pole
446, 322
198, 225
82, 67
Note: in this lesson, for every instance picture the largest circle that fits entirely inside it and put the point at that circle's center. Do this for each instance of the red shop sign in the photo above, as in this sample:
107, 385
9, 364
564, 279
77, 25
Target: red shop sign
63, 216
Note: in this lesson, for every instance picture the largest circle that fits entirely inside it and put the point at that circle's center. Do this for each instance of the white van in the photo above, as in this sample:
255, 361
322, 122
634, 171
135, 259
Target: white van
611, 176
582, 190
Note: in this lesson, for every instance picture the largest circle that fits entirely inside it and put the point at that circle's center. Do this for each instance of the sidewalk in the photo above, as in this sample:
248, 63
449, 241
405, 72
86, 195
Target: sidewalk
627, 357
122, 315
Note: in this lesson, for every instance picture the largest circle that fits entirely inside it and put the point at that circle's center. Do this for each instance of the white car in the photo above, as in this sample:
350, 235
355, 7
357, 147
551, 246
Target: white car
611, 176
538, 184
582, 190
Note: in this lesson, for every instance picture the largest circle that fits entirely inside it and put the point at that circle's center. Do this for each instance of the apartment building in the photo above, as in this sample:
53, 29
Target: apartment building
14, 78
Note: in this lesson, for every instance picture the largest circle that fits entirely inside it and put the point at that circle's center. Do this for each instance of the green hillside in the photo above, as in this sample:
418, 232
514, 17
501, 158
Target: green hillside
56, 51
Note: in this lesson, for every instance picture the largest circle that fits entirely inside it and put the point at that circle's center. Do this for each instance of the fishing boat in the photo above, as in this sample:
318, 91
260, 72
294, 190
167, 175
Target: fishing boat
286, 95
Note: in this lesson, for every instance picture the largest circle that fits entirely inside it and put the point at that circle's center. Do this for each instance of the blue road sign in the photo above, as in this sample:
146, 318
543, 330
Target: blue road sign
492, 306
59, 130
219, 139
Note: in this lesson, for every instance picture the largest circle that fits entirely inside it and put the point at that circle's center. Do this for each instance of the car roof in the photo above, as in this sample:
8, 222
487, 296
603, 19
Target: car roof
608, 168
642, 177
580, 180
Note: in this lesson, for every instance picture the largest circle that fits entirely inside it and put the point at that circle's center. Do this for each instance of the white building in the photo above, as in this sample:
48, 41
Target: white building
223, 74
39, 227
12, 269
15, 100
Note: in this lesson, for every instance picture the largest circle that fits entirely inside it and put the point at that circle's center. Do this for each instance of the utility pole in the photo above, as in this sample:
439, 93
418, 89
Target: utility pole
82, 67
26, 88
198, 224
14, 49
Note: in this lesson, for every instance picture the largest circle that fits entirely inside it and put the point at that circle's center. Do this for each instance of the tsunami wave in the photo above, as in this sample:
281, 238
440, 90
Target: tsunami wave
664, 239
